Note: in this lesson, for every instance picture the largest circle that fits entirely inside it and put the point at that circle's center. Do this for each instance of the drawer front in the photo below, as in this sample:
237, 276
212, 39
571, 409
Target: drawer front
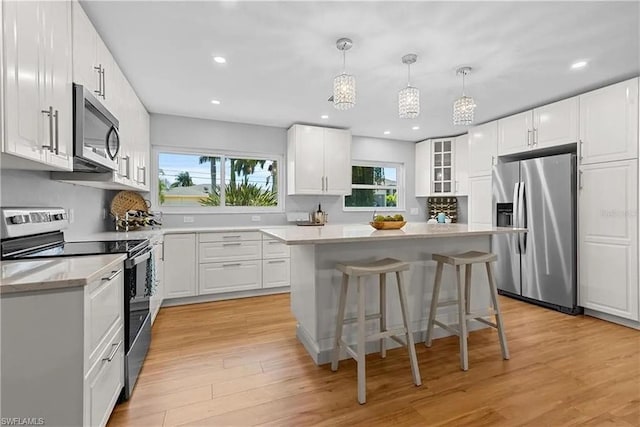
105, 381
230, 276
276, 273
104, 306
238, 236
274, 249
230, 251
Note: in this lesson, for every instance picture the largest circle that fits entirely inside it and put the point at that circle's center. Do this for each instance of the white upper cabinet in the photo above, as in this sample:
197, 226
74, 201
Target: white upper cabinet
483, 149
423, 168
547, 126
608, 233
461, 165
85, 63
609, 123
319, 161
514, 133
37, 86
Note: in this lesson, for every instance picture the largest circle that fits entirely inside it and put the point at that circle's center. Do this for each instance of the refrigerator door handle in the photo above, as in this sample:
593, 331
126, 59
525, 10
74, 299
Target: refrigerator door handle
522, 221
515, 219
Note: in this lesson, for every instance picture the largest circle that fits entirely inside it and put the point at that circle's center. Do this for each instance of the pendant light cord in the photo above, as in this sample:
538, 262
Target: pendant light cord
408, 75
463, 76
344, 61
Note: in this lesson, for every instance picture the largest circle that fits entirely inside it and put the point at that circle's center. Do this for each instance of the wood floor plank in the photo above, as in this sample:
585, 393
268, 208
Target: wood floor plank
238, 363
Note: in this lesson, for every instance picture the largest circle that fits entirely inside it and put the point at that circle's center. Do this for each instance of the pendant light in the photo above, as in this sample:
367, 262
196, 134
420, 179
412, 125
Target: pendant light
409, 97
463, 107
344, 85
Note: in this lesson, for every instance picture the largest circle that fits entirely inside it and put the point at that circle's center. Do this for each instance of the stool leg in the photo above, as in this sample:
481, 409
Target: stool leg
361, 351
467, 291
462, 322
498, 315
383, 313
405, 317
434, 304
335, 357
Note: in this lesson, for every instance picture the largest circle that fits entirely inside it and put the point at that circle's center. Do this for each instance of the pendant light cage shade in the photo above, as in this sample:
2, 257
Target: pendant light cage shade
409, 103
409, 97
344, 84
464, 107
344, 91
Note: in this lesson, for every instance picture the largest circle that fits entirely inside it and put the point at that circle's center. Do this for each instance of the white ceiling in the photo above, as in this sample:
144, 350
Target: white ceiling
282, 57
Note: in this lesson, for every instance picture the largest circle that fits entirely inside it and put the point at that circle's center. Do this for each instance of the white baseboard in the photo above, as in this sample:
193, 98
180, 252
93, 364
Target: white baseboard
611, 318
224, 296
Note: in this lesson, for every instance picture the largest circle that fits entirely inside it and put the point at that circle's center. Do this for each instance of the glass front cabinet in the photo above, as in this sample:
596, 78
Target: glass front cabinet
442, 177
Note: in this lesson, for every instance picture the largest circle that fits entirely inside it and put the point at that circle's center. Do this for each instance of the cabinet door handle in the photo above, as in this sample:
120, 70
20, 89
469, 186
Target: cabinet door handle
580, 180
232, 244
274, 242
233, 264
114, 350
103, 84
231, 236
535, 137
49, 113
457, 186
276, 261
113, 275
55, 116
322, 181
99, 70
326, 186
529, 138
581, 149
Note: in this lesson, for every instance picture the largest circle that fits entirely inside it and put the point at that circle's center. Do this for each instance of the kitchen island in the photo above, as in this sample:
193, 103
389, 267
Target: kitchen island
315, 283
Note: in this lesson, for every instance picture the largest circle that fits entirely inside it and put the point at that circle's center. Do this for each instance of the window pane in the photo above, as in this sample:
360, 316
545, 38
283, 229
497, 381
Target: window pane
437, 146
447, 146
437, 187
250, 182
446, 187
188, 180
372, 175
437, 159
447, 159
372, 198
447, 174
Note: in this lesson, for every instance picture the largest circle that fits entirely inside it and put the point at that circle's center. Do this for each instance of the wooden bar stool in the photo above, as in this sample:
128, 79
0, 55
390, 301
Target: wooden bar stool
463, 302
360, 270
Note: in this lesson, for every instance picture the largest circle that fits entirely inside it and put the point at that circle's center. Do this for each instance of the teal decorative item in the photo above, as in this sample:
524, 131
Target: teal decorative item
441, 218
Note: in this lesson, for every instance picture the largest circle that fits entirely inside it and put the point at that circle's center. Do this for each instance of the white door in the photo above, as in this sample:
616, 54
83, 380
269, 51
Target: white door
483, 149
480, 201
608, 228
337, 162
461, 168
556, 124
84, 50
57, 80
305, 159
180, 265
514, 133
26, 126
423, 168
609, 123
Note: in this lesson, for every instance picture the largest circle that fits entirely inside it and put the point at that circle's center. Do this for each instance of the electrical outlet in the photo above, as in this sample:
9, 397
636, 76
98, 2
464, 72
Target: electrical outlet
414, 211
187, 219
255, 218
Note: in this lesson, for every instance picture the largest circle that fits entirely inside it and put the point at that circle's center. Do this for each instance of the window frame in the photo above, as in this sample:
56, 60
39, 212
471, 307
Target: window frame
400, 187
203, 210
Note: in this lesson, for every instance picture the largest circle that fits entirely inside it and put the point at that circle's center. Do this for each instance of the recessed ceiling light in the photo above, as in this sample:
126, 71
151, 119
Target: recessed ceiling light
215, 102
579, 64
220, 59
324, 116
387, 132
416, 128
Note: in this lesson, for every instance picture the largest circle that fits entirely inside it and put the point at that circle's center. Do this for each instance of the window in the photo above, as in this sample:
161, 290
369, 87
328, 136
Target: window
187, 180
376, 186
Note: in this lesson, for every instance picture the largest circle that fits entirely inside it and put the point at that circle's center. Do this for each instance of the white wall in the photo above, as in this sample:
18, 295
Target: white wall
175, 131
21, 188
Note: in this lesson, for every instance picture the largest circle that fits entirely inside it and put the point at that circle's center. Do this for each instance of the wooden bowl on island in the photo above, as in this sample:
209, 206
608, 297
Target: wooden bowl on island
388, 225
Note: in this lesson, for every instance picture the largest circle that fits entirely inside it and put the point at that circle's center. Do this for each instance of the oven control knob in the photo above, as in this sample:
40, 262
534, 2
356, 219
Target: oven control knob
17, 219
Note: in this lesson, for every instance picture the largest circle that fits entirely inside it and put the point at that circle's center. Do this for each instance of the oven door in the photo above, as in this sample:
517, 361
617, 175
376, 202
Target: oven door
95, 133
138, 282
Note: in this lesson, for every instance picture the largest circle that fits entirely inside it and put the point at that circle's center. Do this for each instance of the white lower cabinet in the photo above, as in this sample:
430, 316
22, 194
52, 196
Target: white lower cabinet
155, 301
180, 263
608, 230
276, 272
65, 361
218, 277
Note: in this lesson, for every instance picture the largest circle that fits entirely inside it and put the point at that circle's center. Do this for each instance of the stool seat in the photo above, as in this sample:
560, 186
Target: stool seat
386, 265
471, 257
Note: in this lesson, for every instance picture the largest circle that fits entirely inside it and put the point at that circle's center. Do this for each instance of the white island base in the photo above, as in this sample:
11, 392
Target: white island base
315, 286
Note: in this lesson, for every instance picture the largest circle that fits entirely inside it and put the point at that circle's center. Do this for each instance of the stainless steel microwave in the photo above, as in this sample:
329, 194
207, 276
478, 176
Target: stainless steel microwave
96, 141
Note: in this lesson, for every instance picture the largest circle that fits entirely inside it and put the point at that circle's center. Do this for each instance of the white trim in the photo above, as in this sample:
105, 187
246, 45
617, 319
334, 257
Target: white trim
194, 210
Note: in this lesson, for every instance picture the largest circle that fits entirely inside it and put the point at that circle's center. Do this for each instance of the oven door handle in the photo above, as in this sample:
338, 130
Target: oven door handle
131, 262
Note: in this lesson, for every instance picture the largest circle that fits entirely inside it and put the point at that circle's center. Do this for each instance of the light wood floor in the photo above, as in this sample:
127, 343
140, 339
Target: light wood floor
238, 363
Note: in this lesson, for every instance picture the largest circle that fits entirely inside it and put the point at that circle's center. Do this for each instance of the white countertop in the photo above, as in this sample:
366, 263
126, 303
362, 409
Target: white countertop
55, 273
158, 232
344, 233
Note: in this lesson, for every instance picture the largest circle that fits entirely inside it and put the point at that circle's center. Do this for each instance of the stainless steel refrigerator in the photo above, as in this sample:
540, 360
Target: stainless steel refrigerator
539, 266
